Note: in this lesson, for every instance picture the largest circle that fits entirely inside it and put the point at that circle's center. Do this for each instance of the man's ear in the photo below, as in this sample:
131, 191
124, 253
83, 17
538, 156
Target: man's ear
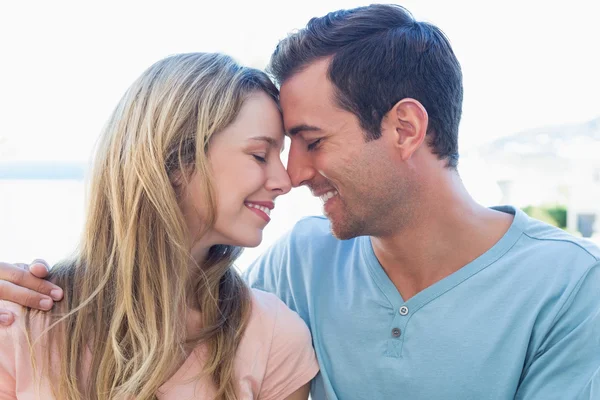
407, 120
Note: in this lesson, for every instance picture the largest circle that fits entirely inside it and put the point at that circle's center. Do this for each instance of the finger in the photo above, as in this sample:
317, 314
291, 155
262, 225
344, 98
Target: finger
25, 297
41, 261
6, 318
20, 276
39, 268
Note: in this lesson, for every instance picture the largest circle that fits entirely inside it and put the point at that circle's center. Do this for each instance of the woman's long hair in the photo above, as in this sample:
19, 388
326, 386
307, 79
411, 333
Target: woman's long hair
120, 330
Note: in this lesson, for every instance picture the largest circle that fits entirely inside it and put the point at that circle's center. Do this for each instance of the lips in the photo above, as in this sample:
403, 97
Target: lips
257, 206
261, 209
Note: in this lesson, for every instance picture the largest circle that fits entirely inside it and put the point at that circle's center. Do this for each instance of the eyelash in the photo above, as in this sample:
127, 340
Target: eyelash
260, 159
313, 145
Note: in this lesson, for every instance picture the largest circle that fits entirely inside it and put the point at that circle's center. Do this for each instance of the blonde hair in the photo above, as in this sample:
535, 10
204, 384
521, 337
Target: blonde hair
127, 288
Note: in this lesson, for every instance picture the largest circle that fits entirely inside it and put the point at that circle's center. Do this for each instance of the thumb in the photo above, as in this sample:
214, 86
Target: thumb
39, 268
6, 318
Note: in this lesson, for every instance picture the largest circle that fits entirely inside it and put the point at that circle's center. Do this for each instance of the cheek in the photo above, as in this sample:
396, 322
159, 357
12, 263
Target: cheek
193, 212
227, 203
235, 189
251, 179
338, 167
325, 164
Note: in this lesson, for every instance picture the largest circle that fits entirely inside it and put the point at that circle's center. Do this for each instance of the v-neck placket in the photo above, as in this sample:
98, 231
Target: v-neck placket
399, 325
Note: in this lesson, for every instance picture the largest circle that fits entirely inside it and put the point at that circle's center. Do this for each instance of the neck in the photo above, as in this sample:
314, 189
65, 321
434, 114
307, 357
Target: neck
193, 311
198, 256
199, 253
445, 232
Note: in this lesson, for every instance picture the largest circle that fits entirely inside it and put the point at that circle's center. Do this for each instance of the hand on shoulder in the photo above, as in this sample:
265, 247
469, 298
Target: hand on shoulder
25, 285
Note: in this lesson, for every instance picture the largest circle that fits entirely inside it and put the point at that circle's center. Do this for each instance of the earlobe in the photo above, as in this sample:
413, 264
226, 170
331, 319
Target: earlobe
410, 121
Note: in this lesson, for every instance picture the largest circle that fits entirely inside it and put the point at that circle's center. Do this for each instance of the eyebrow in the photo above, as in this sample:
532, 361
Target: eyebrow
270, 141
301, 128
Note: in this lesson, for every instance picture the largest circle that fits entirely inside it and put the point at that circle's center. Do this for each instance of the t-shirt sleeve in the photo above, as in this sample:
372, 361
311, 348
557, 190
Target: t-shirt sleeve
265, 272
292, 361
567, 366
8, 338
282, 270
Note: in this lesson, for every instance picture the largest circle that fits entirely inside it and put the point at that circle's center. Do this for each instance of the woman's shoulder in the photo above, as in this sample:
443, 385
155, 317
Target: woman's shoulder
21, 343
270, 323
15, 308
36, 319
12, 344
27, 326
26, 330
16, 330
268, 311
265, 302
278, 346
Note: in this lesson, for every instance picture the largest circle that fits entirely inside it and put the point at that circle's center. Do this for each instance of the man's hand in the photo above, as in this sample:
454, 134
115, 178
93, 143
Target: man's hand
24, 284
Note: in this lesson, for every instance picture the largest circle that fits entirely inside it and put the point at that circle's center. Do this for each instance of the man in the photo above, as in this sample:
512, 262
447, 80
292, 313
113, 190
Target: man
411, 289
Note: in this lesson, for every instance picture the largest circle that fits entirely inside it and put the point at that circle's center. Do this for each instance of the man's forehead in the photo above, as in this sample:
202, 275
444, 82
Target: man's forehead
312, 77
306, 98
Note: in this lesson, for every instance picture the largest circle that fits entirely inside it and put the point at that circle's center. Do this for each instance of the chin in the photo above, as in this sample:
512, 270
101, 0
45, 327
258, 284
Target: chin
344, 231
341, 235
250, 240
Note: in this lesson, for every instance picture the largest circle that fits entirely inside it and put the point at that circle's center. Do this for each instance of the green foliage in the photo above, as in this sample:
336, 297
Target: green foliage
555, 215
559, 213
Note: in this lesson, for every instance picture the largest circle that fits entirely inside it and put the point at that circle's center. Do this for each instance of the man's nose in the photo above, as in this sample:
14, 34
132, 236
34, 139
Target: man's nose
299, 167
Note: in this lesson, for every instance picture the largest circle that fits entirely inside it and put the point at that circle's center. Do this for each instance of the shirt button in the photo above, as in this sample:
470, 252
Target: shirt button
403, 310
396, 332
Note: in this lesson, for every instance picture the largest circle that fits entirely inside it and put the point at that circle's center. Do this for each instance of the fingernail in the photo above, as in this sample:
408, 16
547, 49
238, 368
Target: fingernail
4, 318
46, 304
56, 294
40, 262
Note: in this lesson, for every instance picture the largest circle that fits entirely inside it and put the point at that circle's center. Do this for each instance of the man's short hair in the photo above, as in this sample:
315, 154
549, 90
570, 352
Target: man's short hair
379, 56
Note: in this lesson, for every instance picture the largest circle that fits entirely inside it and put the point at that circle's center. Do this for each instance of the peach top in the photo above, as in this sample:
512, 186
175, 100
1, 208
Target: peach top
274, 359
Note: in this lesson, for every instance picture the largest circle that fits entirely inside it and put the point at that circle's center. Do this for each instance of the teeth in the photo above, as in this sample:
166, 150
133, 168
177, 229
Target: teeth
328, 195
261, 208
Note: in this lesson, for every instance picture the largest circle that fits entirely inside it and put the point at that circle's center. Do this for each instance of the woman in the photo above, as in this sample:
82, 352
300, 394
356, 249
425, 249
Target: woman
187, 169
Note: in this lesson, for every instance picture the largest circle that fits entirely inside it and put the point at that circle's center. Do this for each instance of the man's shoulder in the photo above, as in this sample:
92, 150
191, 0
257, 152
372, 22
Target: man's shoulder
311, 232
556, 242
292, 265
558, 263
316, 226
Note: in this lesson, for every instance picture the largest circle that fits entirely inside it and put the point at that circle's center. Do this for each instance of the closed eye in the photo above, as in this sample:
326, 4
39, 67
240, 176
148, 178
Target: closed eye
313, 145
260, 159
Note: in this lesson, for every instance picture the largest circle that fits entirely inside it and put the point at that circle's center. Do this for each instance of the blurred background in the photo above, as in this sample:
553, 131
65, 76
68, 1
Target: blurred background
530, 133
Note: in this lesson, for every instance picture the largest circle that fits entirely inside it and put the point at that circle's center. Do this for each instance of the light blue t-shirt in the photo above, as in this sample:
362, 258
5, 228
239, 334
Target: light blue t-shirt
521, 321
